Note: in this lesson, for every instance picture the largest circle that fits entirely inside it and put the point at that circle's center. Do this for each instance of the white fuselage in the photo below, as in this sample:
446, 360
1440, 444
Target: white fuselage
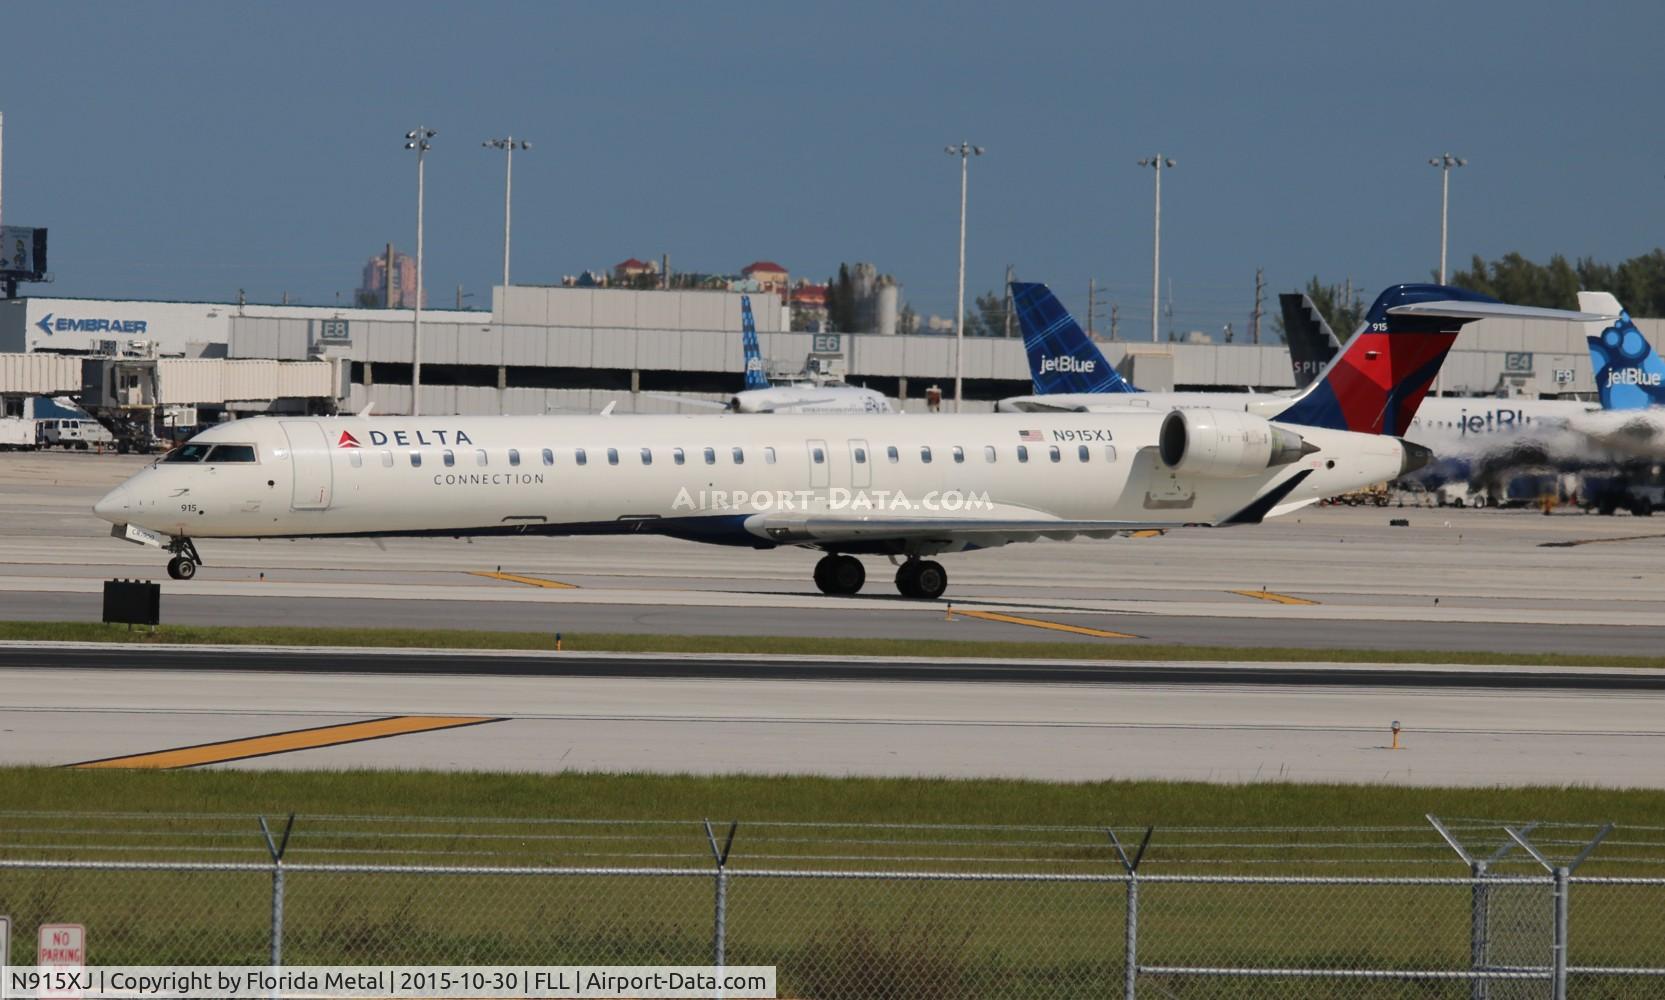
809, 397
1463, 427
720, 478
1630, 433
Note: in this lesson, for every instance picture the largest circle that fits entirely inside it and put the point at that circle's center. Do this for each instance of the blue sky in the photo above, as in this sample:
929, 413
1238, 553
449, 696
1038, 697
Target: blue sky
186, 150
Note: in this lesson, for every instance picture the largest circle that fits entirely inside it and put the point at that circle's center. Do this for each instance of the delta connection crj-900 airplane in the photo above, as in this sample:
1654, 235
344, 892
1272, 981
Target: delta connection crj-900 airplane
893, 485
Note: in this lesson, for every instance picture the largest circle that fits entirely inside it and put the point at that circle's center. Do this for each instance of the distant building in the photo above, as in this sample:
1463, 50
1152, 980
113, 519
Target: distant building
372, 292
770, 276
809, 306
629, 273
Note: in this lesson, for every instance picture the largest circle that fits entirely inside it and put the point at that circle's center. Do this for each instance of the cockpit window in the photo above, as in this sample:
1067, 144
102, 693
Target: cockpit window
187, 453
232, 453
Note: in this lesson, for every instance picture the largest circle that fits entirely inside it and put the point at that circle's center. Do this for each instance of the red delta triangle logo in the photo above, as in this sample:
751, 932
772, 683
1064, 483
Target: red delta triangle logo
348, 441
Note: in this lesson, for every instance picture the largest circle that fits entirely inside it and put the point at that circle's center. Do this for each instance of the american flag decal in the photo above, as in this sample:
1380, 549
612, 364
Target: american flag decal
1029, 436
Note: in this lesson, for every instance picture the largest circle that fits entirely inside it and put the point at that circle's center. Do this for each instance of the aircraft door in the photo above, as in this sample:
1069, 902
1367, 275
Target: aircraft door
816, 452
309, 457
861, 465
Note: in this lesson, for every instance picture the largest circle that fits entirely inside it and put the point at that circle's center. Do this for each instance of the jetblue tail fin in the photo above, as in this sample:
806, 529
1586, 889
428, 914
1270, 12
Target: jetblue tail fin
1378, 380
756, 378
1629, 374
1312, 344
1062, 358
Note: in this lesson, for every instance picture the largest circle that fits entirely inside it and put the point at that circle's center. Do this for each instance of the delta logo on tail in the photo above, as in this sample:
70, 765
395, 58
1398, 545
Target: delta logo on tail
348, 441
1062, 358
1629, 375
1379, 379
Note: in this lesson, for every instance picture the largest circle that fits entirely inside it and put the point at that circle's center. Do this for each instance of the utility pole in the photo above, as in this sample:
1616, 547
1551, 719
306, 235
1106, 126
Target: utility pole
1092, 293
1156, 162
1445, 161
387, 280
1114, 319
418, 140
1008, 300
1254, 316
965, 151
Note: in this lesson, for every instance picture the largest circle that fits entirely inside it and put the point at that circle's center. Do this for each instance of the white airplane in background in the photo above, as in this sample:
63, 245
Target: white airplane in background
808, 393
849, 485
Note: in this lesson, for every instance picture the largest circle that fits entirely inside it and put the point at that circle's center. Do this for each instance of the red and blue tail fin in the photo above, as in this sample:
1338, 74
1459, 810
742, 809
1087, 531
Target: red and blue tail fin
1381, 375
1062, 358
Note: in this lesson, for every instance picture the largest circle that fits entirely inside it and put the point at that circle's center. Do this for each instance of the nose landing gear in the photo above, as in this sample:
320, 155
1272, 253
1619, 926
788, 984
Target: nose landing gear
183, 565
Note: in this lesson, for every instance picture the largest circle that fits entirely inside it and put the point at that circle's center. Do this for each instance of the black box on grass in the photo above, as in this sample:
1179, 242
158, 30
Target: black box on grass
132, 602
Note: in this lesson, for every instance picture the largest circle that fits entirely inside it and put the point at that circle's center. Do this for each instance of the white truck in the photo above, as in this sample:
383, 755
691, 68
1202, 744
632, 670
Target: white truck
17, 433
75, 432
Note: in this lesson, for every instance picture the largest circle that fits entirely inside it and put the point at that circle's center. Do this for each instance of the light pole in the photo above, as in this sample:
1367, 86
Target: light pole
965, 151
508, 145
417, 139
1156, 163
1445, 161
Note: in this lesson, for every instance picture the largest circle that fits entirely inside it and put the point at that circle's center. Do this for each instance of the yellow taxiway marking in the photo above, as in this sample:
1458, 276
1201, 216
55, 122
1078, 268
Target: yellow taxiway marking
530, 581
287, 742
1147, 533
1267, 595
995, 616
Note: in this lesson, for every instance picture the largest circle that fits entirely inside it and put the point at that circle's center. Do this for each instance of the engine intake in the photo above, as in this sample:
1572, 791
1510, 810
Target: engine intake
1225, 444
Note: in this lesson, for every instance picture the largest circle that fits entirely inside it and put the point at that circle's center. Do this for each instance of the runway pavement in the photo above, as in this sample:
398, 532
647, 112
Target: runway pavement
1469, 727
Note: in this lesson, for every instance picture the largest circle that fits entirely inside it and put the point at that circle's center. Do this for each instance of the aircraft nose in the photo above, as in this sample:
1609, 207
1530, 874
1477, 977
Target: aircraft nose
115, 505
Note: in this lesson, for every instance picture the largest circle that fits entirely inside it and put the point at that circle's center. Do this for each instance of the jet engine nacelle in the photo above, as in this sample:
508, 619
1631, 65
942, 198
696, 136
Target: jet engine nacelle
1225, 444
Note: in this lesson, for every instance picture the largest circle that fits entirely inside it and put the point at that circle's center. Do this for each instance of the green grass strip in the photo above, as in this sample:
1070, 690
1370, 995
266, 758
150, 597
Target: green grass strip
821, 646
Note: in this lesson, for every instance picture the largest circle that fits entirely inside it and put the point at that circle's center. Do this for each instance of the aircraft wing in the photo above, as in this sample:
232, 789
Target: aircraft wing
1032, 405
983, 530
706, 404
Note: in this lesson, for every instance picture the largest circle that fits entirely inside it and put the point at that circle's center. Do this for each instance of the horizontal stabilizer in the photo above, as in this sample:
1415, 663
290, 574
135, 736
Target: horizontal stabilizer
1457, 309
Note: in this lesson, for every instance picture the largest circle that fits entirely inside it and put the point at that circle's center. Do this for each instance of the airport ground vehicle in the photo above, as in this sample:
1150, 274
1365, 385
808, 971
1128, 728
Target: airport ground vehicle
17, 434
82, 433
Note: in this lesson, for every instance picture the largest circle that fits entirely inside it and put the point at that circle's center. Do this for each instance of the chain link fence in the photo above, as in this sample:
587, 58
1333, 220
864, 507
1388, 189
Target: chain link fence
883, 933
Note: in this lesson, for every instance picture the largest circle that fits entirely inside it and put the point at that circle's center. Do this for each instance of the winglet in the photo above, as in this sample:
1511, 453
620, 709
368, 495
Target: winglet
367, 408
607, 411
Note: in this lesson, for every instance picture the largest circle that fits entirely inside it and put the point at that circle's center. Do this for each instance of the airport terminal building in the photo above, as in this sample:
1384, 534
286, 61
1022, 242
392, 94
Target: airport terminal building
560, 349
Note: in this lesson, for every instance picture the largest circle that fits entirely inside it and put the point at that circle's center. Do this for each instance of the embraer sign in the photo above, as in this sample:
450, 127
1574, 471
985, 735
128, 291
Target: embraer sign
63, 324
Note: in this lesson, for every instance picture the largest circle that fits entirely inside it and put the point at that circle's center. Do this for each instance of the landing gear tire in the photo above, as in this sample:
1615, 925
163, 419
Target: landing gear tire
922, 579
840, 575
181, 568
1641, 507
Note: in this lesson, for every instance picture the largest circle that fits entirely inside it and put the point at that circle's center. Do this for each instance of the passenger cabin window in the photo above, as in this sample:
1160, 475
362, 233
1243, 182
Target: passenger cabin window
739, 456
548, 456
612, 456
647, 456
893, 455
448, 458
768, 456
959, 454
710, 456
678, 456
1054, 454
579, 457
480, 456
818, 455
1023, 453
1084, 453
988, 453
232, 453
355, 459
514, 457
387, 460
925, 454
416, 460
861, 456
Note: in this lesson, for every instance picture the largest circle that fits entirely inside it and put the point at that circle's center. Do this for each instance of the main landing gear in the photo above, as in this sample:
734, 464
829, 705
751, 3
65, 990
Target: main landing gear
921, 578
841, 575
844, 575
183, 565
